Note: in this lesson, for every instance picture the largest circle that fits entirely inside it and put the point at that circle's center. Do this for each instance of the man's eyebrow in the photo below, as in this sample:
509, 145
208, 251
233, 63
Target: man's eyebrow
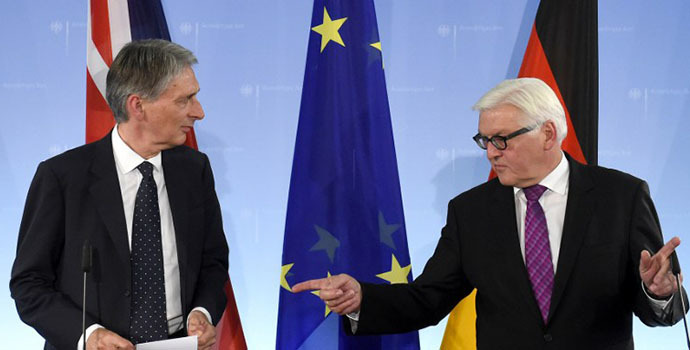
191, 94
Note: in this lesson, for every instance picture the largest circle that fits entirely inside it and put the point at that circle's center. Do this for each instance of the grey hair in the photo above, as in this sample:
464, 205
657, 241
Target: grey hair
531, 96
144, 67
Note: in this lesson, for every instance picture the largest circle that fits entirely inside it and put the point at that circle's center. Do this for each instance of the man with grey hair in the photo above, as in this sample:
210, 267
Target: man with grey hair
559, 252
146, 205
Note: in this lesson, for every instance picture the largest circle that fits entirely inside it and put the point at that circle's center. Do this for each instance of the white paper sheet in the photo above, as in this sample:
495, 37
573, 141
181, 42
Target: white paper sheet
186, 343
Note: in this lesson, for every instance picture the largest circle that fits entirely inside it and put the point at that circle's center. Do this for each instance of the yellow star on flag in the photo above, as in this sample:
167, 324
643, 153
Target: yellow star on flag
377, 45
317, 292
283, 272
397, 274
329, 29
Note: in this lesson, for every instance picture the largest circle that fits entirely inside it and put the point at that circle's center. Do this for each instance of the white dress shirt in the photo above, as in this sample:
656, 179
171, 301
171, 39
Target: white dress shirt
129, 177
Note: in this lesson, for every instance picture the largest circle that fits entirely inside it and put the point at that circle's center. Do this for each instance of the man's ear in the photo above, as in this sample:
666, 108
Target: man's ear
550, 135
134, 106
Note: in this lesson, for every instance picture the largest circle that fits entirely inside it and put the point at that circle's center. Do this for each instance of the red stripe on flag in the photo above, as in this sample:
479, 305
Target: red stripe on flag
229, 329
99, 118
100, 30
191, 140
536, 65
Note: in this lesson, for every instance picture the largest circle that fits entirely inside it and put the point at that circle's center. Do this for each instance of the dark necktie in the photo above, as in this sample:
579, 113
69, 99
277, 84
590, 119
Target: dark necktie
538, 250
148, 315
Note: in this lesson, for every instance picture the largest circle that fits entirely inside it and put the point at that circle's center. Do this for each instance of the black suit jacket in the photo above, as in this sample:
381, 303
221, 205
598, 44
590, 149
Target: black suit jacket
609, 220
75, 197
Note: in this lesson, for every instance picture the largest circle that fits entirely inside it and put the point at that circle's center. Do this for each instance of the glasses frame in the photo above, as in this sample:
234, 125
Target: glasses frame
483, 141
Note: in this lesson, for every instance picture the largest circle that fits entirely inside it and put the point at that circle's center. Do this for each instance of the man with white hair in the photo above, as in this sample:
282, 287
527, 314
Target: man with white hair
561, 254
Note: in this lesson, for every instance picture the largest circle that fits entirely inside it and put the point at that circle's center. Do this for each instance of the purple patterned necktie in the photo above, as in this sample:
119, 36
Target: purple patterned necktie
538, 250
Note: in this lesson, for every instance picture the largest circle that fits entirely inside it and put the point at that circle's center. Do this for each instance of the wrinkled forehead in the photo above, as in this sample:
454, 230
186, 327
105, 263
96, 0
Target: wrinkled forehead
501, 118
183, 83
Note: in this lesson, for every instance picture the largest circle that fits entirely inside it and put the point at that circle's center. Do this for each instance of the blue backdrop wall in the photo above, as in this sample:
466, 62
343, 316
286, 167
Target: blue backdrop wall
440, 56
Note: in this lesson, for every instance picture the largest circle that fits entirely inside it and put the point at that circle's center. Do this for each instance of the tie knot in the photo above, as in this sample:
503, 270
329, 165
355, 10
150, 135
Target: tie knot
534, 192
146, 169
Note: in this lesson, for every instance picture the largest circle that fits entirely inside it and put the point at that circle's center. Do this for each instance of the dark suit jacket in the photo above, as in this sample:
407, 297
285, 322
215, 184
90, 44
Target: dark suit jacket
76, 196
609, 220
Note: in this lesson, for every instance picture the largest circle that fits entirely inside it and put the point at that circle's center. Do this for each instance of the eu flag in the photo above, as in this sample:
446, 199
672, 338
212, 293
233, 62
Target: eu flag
344, 211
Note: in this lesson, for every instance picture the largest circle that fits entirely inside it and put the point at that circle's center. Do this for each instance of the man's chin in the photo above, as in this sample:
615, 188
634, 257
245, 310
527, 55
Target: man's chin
177, 141
505, 180
181, 140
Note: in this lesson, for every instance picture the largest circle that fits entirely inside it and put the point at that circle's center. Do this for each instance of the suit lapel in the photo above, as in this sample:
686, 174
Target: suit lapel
105, 190
578, 214
178, 194
505, 235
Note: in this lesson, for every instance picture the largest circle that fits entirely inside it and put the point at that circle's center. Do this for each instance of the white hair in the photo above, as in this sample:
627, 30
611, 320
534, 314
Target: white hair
533, 97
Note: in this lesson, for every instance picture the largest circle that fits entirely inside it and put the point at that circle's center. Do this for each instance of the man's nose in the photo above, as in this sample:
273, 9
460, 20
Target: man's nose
492, 151
197, 112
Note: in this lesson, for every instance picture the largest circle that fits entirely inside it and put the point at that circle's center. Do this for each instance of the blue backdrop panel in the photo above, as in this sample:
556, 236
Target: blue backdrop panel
440, 56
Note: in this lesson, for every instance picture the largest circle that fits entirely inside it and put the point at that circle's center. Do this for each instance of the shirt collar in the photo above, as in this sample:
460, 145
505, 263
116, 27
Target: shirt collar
126, 159
557, 179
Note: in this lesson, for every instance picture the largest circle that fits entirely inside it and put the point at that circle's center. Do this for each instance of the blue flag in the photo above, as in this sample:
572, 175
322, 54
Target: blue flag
344, 210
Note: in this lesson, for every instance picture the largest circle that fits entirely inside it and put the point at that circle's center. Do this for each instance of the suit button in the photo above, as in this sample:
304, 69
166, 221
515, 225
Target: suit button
127, 293
548, 337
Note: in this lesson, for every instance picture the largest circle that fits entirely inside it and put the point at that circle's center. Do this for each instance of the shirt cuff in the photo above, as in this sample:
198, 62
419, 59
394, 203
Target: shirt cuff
203, 311
91, 329
658, 306
354, 320
353, 316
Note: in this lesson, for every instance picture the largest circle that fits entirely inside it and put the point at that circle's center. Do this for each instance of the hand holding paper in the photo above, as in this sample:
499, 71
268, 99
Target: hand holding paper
199, 326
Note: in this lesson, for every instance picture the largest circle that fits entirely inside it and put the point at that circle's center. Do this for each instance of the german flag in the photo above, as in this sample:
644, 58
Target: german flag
563, 52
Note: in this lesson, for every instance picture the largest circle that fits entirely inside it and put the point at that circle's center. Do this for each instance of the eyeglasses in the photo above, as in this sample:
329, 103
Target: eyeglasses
500, 142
